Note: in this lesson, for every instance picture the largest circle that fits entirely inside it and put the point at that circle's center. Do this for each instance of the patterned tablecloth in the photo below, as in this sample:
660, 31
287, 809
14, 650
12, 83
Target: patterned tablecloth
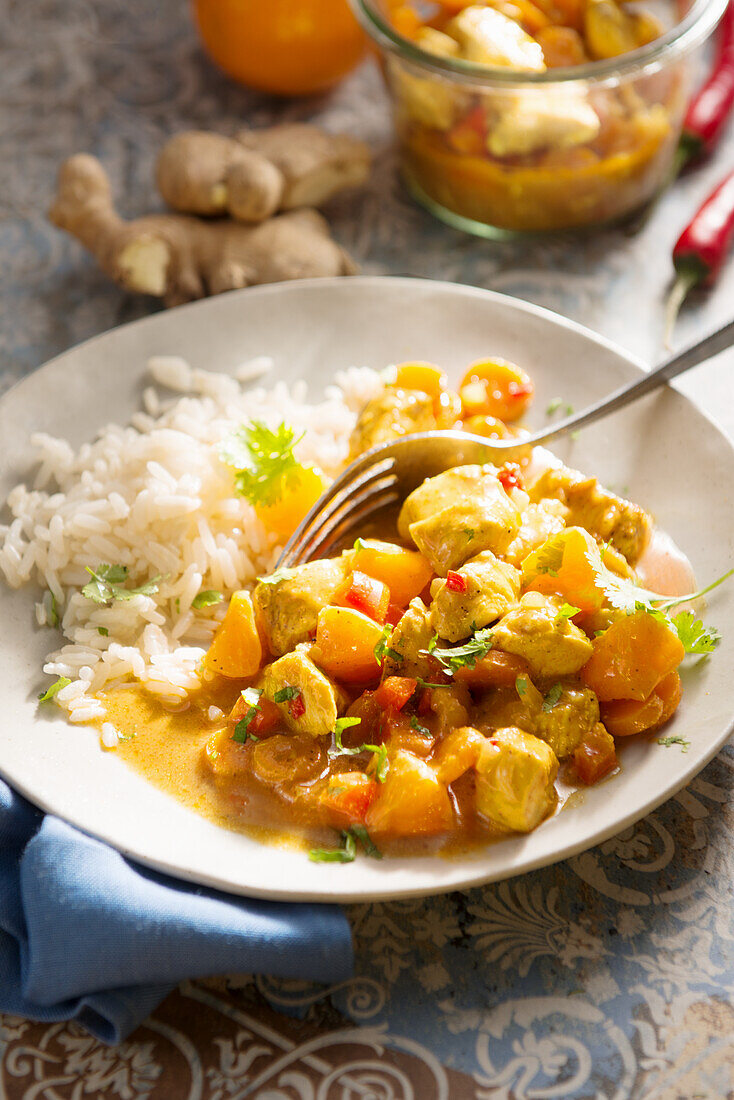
608, 976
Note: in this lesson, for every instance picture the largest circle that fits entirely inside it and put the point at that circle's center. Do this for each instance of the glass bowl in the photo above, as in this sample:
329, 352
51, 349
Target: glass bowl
495, 151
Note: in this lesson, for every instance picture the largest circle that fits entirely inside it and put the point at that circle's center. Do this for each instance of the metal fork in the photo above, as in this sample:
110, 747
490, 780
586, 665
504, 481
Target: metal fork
387, 473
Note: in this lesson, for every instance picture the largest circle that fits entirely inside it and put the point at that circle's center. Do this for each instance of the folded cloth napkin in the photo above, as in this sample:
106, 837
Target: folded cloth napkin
86, 934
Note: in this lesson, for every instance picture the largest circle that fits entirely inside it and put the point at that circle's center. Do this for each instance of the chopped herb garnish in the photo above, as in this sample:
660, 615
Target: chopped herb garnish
348, 849
108, 583
464, 656
521, 685
262, 459
382, 765
383, 650
676, 739
360, 833
427, 683
344, 854
56, 686
574, 435
469, 532
566, 611
52, 610
283, 695
251, 696
422, 730
274, 578
359, 544
103, 631
206, 599
552, 697
177, 605
553, 406
434, 642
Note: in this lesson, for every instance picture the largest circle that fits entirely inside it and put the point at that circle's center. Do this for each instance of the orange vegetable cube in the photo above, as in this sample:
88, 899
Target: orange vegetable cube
595, 756
626, 717
632, 657
421, 376
412, 801
236, 649
458, 752
405, 572
495, 669
575, 577
301, 493
345, 645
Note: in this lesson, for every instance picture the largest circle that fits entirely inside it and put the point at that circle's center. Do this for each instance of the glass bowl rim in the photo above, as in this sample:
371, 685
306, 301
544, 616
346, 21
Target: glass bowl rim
697, 24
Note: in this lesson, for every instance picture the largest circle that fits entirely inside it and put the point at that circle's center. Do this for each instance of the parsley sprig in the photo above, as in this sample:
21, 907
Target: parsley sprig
207, 598
383, 648
262, 459
56, 686
108, 583
452, 658
251, 696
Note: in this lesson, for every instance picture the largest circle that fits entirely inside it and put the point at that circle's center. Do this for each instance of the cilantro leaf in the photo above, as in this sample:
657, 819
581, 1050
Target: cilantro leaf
553, 406
551, 699
383, 650
241, 731
422, 730
451, 658
52, 609
108, 583
521, 685
283, 695
695, 637
103, 631
345, 854
262, 459
56, 686
676, 739
274, 578
206, 598
359, 544
370, 848
381, 766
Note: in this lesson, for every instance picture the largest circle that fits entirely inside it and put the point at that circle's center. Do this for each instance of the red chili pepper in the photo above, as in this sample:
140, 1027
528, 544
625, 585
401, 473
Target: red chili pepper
702, 247
510, 476
455, 582
266, 719
395, 691
365, 594
712, 104
297, 707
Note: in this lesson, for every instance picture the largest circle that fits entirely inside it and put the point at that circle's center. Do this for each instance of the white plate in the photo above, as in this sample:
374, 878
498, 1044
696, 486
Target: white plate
673, 460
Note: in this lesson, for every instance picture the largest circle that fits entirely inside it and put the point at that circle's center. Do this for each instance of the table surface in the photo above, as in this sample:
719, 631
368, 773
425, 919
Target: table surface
610, 975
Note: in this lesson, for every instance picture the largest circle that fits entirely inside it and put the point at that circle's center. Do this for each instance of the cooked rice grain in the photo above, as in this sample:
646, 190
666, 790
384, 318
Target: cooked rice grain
155, 497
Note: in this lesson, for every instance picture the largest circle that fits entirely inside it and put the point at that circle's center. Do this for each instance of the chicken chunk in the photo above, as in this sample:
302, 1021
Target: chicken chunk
310, 702
491, 588
609, 517
537, 523
288, 603
396, 412
409, 640
526, 122
515, 777
454, 516
488, 37
561, 722
552, 646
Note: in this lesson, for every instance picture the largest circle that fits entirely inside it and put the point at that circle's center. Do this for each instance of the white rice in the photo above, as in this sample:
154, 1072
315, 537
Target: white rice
154, 496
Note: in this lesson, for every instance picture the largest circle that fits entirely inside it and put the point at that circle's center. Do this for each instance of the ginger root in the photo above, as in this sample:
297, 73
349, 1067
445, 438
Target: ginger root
179, 258
258, 172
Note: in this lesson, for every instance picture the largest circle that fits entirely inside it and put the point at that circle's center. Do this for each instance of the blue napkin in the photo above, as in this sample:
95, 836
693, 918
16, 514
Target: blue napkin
86, 934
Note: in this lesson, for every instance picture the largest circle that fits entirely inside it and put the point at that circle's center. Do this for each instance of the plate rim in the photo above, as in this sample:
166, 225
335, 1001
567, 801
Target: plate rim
475, 874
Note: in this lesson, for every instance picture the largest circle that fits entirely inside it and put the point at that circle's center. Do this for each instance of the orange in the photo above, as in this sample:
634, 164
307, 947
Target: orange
290, 47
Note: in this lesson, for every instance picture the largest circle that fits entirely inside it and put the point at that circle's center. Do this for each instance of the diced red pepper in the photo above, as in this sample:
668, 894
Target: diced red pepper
297, 707
510, 476
595, 756
455, 582
266, 719
365, 594
347, 798
394, 614
395, 691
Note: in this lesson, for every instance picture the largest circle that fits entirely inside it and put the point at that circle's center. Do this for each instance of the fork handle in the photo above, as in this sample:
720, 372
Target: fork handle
697, 353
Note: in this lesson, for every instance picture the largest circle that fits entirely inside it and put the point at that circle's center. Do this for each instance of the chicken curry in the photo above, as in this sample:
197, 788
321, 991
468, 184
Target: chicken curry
421, 689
